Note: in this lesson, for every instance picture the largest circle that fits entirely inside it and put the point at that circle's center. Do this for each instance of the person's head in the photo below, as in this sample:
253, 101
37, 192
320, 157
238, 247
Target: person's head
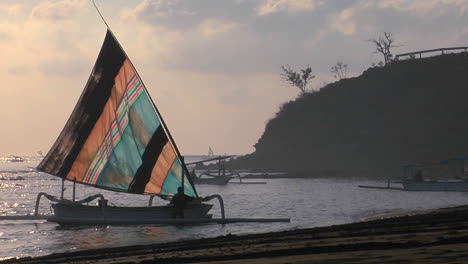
180, 190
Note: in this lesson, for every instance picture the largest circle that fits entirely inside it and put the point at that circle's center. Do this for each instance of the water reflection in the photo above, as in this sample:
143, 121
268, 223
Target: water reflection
308, 202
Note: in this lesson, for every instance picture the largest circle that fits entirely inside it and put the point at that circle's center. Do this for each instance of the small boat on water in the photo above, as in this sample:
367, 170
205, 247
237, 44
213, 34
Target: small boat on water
431, 177
218, 177
414, 178
14, 158
213, 179
436, 185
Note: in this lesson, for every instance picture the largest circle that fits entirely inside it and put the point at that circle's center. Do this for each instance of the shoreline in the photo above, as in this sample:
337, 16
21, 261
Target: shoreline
433, 236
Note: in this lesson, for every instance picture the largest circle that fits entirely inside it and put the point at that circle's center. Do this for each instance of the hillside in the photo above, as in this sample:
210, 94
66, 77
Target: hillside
409, 111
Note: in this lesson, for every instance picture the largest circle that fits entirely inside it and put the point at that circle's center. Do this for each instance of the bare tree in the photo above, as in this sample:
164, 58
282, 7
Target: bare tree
383, 45
340, 70
300, 80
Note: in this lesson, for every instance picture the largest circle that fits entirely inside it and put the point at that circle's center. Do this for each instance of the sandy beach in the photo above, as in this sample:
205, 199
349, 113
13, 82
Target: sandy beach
439, 236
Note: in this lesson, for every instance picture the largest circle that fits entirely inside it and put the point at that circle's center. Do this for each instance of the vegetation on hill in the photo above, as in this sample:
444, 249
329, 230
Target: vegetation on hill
408, 111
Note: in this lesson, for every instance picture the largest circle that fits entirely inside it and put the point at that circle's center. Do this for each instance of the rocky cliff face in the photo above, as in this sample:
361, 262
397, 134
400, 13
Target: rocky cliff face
409, 111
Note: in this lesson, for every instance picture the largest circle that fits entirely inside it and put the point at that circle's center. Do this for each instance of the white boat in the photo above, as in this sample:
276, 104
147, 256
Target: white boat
206, 178
415, 178
116, 139
218, 177
435, 185
14, 158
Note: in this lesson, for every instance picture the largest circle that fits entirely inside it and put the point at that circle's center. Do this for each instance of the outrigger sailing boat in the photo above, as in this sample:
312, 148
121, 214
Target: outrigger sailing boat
116, 139
220, 177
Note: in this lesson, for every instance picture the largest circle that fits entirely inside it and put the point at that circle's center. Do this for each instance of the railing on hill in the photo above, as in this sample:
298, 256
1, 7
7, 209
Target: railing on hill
413, 54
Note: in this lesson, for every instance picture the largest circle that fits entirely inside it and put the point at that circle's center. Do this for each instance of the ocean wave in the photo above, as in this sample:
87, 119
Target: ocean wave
11, 178
17, 171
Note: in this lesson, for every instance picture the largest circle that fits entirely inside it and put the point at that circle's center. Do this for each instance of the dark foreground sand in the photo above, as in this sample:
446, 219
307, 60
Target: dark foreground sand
439, 236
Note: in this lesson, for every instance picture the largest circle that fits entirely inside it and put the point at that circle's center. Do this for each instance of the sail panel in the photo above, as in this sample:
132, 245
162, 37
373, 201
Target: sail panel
107, 131
126, 149
174, 179
65, 150
162, 167
168, 164
149, 158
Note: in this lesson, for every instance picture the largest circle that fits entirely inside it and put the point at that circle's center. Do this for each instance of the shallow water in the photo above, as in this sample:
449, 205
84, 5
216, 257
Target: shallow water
308, 202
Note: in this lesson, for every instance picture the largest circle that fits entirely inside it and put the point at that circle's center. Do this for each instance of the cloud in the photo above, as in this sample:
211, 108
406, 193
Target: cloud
183, 15
425, 8
164, 13
201, 35
34, 46
213, 27
162, 8
261, 35
5, 36
289, 6
56, 11
20, 70
9, 14
343, 22
64, 68
8, 11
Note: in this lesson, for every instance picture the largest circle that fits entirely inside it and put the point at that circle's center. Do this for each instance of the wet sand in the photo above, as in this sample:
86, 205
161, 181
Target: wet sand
438, 236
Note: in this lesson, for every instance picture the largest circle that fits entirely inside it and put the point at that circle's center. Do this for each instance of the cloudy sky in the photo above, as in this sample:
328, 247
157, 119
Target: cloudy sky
211, 66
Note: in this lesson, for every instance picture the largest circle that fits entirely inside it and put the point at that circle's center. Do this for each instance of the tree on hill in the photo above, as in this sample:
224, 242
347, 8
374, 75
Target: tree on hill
299, 80
384, 45
339, 70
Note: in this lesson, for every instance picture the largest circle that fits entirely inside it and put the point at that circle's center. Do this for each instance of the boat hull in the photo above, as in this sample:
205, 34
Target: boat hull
219, 180
436, 186
66, 213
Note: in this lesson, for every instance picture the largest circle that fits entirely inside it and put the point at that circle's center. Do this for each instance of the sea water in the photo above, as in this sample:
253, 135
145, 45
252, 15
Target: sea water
307, 202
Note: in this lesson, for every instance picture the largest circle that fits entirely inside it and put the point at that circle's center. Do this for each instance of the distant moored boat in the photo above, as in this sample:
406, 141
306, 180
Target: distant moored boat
15, 159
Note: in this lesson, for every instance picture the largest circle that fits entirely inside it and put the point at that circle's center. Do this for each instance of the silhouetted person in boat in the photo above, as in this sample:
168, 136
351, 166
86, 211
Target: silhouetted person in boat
223, 168
418, 177
179, 201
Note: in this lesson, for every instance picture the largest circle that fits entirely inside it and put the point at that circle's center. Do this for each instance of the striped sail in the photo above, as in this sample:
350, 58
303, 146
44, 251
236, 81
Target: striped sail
114, 138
